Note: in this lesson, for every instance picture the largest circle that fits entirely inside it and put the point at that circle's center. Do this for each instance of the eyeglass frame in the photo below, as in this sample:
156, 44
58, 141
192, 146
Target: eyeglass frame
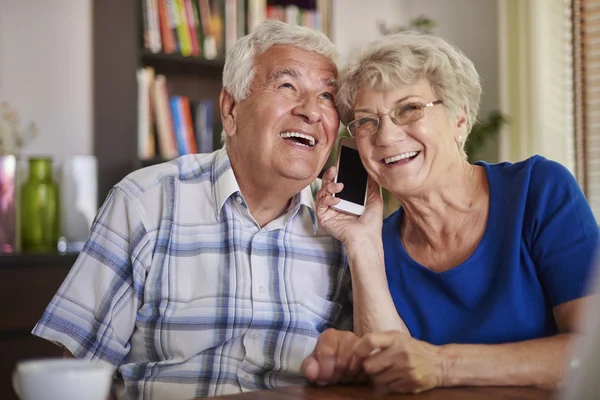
378, 117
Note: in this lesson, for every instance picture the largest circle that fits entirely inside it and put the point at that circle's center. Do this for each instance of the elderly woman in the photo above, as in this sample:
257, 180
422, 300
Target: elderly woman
479, 277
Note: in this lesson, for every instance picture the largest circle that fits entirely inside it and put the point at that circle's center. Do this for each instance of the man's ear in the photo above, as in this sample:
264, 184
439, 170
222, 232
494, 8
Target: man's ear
228, 108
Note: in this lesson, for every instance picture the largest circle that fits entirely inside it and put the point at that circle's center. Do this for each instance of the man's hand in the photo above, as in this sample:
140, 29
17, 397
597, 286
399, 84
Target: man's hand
399, 363
332, 361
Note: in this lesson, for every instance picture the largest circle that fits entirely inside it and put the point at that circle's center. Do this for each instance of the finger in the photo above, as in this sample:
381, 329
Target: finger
354, 371
344, 356
387, 375
325, 353
329, 175
324, 203
333, 188
329, 190
368, 343
378, 363
330, 201
310, 368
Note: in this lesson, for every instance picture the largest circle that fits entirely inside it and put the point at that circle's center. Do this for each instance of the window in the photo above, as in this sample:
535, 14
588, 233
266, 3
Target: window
586, 62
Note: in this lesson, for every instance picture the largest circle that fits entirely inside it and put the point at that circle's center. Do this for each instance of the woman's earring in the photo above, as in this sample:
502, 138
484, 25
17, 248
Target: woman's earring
459, 139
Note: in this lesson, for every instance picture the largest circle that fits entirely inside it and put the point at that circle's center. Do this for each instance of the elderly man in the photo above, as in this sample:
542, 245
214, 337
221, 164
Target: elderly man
208, 275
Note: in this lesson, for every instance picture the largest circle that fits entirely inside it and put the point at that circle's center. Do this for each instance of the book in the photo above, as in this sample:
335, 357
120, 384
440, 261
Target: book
146, 141
179, 128
183, 33
189, 125
203, 125
192, 28
168, 40
164, 120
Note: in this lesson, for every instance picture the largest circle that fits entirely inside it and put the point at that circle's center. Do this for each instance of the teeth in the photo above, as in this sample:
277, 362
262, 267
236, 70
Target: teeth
311, 140
400, 157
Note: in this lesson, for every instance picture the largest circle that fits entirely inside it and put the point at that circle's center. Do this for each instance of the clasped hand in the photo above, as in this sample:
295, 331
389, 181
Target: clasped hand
392, 360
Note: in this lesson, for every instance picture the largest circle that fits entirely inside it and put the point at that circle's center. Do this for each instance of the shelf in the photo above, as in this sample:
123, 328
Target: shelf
37, 260
151, 162
152, 59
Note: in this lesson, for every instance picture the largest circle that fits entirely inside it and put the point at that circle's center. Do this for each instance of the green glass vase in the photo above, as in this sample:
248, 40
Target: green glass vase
40, 220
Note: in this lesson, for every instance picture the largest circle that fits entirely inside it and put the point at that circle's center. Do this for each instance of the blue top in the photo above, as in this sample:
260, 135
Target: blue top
536, 253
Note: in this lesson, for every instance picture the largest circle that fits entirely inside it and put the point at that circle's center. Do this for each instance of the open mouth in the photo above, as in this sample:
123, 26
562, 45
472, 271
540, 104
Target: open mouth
299, 139
401, 158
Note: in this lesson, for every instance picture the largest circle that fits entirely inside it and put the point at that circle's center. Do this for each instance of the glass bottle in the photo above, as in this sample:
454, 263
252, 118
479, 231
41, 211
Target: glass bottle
40, 220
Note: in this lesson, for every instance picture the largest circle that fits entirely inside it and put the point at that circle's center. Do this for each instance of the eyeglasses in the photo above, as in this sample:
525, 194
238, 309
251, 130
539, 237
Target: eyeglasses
403, 114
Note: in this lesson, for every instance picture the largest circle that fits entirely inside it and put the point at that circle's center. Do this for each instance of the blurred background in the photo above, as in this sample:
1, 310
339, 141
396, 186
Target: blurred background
92, 90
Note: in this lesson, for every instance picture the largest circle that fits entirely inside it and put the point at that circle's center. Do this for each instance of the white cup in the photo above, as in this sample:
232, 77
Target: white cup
62, 379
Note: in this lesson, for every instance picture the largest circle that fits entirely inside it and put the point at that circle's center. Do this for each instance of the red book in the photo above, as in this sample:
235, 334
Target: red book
168, 39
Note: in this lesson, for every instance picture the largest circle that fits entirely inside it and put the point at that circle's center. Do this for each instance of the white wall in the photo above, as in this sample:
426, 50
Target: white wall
46, 71
471, 25
355, 22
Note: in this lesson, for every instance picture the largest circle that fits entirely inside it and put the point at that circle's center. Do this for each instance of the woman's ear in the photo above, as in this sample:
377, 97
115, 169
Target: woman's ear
228, 108
461, 118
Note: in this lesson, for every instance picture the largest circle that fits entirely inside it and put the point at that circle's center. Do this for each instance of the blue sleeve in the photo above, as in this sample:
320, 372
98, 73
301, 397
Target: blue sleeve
560, 231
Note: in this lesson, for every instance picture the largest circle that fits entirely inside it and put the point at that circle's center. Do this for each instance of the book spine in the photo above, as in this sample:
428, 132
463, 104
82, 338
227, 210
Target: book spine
164, 120
189, 125
168, 40
191, 24
178, 125
182, 29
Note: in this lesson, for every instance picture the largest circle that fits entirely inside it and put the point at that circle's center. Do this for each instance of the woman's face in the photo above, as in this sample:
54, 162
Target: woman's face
408, 159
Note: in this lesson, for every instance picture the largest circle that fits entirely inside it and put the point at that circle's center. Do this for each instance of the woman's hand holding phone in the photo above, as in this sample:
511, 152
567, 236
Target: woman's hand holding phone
348, 228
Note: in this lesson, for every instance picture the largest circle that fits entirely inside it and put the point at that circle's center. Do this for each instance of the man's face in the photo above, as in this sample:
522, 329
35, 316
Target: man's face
288, 125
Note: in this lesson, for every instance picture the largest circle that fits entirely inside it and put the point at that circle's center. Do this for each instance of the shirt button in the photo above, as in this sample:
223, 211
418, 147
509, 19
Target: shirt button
261, 289
255, 336
239, 200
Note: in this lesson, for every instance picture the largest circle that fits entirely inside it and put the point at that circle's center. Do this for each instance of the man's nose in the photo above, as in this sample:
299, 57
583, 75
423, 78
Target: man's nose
308, 109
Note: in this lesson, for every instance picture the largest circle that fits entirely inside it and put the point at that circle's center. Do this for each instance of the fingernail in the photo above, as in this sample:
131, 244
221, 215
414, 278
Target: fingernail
321, 383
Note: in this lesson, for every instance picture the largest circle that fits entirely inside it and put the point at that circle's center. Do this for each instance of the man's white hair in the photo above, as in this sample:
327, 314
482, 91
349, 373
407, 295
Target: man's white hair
239, 70
402, 59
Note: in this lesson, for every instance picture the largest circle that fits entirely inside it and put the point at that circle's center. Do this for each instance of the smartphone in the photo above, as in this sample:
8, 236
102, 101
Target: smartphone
353, 175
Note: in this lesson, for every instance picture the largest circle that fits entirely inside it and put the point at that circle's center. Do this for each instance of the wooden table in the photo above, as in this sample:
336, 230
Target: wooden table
366, 392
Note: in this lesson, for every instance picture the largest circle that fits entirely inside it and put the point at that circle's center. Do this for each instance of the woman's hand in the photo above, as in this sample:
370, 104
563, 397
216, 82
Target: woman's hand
347, 227
399, 363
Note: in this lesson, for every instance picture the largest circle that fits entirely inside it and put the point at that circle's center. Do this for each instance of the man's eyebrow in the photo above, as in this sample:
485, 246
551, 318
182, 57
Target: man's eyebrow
330, 82
278, 74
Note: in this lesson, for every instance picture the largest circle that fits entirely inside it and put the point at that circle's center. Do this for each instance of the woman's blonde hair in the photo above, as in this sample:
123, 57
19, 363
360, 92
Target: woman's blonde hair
402, 59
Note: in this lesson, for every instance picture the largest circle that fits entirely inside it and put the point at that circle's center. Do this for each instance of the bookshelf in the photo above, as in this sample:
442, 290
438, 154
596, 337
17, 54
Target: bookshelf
119, 52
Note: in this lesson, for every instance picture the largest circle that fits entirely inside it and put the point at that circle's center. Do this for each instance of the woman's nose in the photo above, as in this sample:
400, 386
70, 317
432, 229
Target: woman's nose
389, 133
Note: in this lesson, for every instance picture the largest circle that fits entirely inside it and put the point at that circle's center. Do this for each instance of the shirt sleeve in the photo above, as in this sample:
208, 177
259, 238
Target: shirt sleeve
93, 313
562, 234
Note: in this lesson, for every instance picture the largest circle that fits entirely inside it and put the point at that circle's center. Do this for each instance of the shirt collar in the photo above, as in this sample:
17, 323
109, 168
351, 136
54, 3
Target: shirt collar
305, 198
225, 185
224, 182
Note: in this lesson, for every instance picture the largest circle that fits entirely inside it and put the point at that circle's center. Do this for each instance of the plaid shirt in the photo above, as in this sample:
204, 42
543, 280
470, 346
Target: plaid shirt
183, 291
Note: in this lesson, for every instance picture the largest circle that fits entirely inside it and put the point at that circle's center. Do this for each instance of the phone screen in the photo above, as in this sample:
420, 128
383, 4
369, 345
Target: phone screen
353, 175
